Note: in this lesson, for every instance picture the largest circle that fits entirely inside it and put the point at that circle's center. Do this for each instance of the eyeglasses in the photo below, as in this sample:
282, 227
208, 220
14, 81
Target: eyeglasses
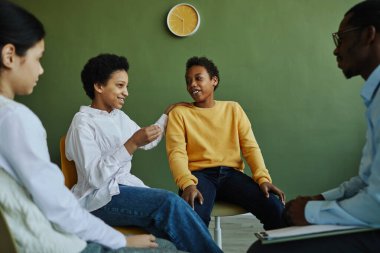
337, 36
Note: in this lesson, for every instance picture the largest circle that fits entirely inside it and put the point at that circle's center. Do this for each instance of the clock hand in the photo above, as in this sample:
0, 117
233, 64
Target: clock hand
178, 17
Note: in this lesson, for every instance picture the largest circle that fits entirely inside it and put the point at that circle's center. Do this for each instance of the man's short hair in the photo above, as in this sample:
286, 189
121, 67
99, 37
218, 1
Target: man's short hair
365, 13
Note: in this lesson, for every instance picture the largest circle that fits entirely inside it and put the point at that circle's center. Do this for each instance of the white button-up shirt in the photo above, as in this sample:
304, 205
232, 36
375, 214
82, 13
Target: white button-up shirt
95, 142
24, 155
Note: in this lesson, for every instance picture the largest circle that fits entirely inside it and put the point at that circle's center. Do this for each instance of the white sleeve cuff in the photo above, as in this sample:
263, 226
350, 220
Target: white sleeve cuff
162, 122
122, 155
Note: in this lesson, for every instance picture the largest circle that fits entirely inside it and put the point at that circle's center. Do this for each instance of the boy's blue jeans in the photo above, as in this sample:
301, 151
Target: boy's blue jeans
162, 213
230, 185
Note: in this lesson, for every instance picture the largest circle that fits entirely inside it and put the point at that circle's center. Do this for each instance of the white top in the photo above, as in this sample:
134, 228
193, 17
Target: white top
24, 155
16, 204
95, 142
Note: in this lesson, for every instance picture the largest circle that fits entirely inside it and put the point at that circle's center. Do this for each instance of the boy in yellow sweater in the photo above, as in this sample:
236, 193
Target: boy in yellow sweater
203, 144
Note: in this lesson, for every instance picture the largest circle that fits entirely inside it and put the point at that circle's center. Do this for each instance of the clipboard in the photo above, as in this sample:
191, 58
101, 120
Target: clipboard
305, 232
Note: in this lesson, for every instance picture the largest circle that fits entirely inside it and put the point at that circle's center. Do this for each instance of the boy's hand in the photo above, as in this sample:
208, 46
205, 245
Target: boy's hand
191, 193
267, 187
141, 241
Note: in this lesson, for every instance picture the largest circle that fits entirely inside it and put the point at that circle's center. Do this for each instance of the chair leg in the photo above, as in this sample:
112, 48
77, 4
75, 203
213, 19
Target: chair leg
218, 232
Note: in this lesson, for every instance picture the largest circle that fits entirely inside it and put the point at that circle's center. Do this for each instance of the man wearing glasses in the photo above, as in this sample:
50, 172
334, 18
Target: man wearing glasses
356, 201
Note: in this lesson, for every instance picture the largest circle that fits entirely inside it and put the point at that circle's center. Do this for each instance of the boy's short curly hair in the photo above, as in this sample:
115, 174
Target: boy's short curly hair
98, 70
208, 64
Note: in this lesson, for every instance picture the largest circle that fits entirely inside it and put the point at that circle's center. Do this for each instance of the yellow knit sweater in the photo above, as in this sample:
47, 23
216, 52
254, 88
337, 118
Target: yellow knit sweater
198, 138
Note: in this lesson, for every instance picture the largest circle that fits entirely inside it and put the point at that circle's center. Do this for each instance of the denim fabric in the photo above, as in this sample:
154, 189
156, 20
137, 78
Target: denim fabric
233, 186
160, 212
164, 247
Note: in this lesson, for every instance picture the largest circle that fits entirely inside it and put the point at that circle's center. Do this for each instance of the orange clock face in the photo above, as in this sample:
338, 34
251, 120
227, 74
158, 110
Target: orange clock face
183, 20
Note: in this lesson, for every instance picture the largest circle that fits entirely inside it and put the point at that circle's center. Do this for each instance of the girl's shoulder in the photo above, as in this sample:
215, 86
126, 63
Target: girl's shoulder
13, 109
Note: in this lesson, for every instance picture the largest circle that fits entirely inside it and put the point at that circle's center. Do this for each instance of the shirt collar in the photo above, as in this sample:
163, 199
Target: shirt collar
371, 85
93, 111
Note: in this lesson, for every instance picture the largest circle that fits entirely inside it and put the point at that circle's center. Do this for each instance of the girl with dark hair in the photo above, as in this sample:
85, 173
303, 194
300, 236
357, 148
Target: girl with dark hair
44, 216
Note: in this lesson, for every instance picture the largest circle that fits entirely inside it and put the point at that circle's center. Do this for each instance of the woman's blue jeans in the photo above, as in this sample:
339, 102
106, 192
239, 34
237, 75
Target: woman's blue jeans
230, 185
160, 212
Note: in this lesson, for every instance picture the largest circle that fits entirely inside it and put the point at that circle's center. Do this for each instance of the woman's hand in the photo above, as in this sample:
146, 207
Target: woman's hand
142, 137
141, 241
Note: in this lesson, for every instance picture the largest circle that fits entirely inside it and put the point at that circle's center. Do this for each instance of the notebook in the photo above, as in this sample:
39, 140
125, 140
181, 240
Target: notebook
306, 232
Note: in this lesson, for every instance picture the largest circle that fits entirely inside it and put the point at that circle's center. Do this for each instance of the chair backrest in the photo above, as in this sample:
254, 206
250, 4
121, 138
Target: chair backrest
7, 243
68, 167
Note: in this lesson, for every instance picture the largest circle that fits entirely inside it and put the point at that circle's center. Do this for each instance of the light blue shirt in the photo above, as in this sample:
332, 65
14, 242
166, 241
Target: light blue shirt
357, 201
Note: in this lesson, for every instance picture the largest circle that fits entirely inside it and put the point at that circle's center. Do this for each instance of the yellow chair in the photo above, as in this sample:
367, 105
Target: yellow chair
70, 173
7, 243
221, 209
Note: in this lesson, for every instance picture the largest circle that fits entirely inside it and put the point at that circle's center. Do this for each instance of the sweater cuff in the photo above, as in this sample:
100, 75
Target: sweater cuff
188, 183
263, 180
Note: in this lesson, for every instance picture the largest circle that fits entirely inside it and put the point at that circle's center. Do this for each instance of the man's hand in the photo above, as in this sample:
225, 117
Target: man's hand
295, 209
141, 241
142, 137
191, 193
267, 187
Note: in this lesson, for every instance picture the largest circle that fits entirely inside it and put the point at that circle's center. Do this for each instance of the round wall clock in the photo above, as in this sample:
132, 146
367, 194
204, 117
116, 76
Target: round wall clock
183, 20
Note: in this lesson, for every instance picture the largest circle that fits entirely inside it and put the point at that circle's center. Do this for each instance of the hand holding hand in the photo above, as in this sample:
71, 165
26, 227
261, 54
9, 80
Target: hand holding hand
295, 211
170, 107
141, 241
267, 187
142, 137
191, 193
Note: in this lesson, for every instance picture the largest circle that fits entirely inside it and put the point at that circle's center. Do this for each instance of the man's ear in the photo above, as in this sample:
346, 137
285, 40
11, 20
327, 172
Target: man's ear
8, 53
98, 88
370, 34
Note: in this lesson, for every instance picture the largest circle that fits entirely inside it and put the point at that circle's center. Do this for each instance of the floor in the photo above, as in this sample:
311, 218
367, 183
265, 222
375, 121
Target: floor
238, 232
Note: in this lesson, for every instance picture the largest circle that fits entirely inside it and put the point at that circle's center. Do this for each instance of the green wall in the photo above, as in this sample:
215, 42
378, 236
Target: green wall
275, 59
